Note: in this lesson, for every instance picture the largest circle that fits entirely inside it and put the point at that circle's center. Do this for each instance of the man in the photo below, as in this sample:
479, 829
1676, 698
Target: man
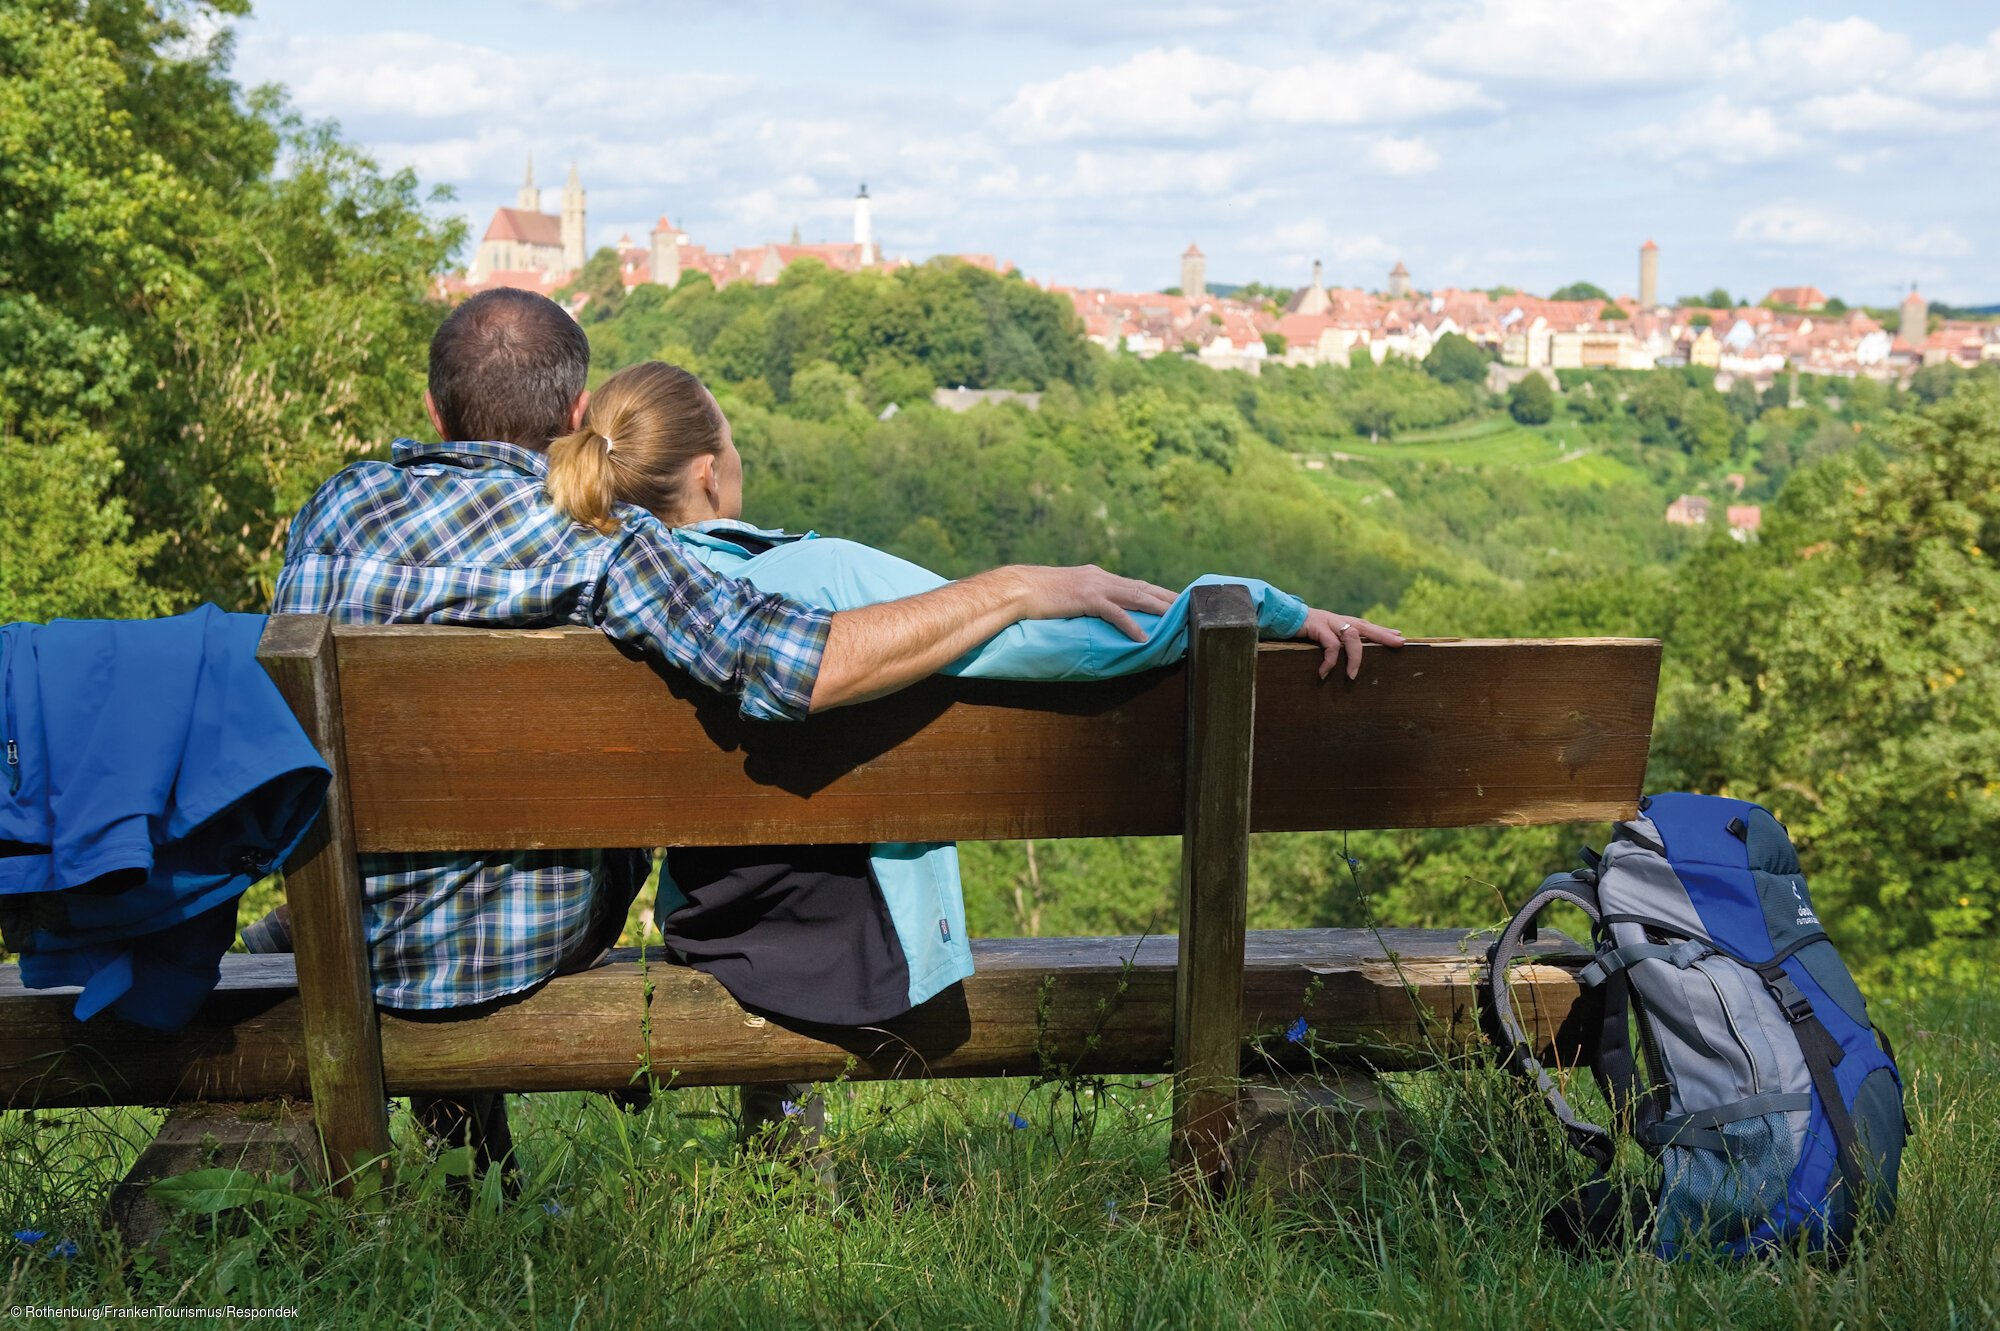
460, 532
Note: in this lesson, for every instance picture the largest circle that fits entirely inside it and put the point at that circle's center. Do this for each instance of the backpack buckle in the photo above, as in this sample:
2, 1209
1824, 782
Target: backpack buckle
1794, 1004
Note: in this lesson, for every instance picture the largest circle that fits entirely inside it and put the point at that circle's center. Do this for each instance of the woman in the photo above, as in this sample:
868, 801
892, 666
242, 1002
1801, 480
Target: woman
839, 934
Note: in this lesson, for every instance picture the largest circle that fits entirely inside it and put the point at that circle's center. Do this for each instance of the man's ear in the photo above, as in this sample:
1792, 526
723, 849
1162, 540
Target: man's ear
577, 408
437, 421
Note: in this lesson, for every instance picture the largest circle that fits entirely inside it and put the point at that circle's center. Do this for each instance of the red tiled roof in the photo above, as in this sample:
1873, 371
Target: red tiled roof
520, 224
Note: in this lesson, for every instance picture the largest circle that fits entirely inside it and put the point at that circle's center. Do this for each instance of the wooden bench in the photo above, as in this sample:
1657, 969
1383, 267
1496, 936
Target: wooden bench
473, 740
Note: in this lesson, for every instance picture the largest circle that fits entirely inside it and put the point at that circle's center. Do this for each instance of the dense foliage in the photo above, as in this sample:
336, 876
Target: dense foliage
205, 307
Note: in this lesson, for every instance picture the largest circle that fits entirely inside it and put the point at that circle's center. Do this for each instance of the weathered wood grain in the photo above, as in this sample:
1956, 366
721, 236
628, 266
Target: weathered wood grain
1215, 880
476, 740
1397, 998
323, 887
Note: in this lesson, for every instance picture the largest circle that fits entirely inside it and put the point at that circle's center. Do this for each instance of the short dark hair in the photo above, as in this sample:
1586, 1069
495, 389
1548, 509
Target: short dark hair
507, 365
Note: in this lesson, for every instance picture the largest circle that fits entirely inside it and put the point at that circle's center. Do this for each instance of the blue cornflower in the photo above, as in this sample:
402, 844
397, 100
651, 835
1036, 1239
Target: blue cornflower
1296, 1032
1015, 1120
31, 1236
66, 1249
1353, 863
790, 1107
553, 1208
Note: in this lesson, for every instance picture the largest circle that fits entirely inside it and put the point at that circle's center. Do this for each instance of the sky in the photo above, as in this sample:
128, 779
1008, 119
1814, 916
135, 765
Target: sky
1525, 142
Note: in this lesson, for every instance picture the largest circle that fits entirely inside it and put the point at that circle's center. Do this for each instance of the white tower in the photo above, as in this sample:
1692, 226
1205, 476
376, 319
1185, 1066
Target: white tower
1649, 276
529, 197
572, 221
864, 227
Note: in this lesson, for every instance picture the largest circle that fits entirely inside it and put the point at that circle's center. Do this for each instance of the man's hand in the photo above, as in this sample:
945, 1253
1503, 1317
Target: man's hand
1087, 590
1344, 633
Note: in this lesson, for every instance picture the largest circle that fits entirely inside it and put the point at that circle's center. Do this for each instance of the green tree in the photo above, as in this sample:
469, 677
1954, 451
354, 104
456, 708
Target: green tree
1844, 671
1531, 401
1610, 313
192, 337
1718, 299
1580, 291
1457, 359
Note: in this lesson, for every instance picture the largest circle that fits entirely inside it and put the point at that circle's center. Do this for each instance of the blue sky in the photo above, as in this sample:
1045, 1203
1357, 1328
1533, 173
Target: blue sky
1530, 142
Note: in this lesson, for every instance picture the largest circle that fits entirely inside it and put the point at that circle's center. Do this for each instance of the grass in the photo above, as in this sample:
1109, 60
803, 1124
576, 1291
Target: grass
951, 1217
1562, 453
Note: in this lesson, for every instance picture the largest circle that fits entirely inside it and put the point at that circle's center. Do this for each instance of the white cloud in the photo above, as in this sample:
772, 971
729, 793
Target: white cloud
1374, 89
1403, 157
1181, 93
1866, 111
1813, 54
1719, 130
1795, 226
1601, 44
1962, 73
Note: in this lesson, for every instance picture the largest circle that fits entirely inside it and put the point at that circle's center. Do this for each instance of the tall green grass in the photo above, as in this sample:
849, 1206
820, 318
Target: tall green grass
951, 1216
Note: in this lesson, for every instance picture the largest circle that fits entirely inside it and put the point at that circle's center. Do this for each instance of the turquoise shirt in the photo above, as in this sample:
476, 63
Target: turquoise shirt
920, 881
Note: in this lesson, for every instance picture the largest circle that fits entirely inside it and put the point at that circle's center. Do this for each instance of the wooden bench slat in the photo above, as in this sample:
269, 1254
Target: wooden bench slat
584, 1030
514, 740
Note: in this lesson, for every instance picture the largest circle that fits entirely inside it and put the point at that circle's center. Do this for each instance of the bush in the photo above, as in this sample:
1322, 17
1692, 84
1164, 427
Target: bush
1531, 401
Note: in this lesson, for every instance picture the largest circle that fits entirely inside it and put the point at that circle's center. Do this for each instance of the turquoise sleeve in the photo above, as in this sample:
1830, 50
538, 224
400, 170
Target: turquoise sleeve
844, 575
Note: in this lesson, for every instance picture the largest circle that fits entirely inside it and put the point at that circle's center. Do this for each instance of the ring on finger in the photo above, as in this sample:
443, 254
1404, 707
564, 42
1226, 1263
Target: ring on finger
1343, 628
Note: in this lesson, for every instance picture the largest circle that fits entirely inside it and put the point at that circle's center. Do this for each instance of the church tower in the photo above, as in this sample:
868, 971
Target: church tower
1399, 281
1194, 273
1913, 325
666, 253
529, 198
572, 222
864, 227
1649, 276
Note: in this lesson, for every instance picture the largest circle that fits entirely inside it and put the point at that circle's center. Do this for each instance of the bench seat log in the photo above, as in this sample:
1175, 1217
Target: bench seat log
1401, 1008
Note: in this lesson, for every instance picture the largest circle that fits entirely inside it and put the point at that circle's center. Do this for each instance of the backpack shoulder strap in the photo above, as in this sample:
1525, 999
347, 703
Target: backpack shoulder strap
1516, 1051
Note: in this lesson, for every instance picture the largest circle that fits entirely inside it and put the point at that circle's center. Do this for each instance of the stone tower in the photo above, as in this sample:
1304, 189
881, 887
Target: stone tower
1914, 325
864, 226
1649, 276
572, 222
529, 198
1399, 281
666, 255
1194, 273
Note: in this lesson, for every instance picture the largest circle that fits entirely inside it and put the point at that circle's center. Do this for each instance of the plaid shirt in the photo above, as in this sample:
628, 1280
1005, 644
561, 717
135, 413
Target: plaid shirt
462, 533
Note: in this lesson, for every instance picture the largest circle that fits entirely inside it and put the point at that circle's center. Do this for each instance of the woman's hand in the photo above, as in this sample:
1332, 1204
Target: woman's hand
1344, 633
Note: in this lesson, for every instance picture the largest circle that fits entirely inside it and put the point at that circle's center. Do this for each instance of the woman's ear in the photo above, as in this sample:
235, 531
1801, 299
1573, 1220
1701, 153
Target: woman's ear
709, 476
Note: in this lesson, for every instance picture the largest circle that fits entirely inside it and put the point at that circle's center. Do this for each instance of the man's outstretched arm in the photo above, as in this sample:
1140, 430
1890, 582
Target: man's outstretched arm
782, 659
878, 649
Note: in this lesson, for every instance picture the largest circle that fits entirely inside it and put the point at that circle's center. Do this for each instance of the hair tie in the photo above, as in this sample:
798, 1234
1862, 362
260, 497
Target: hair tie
608, 445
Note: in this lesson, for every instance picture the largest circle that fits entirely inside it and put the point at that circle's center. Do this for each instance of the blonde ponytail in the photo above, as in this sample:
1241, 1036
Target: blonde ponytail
582, 482
645, 425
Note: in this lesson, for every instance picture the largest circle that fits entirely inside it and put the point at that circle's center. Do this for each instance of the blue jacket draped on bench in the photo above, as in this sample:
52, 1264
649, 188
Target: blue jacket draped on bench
151, 773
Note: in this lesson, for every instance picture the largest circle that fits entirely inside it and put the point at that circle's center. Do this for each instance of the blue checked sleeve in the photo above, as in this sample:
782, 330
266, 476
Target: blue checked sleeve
758, 646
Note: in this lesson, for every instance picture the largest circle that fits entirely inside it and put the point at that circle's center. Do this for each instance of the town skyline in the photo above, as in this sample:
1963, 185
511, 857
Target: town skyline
1487, 143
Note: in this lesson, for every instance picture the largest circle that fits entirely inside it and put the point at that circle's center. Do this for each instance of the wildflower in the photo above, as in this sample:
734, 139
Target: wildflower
790, 1108
1353, 863
553, 1208
1015, 1120
1296, 1032
66, 1249
31, 1236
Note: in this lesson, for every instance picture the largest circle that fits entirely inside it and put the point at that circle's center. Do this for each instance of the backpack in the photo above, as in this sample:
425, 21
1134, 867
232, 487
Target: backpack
1773, 1105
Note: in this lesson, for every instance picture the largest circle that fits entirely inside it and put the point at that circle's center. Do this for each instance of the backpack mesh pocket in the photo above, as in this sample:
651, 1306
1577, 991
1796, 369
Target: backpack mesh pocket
1713, 1198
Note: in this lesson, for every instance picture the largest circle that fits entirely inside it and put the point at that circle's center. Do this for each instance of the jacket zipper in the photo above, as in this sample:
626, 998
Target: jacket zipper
8, 741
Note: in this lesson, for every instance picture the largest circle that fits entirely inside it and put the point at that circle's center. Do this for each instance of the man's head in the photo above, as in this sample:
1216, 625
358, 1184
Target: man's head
508, 365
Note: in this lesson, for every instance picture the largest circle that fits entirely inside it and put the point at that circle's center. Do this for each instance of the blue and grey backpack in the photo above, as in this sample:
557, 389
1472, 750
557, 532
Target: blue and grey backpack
1774, 1106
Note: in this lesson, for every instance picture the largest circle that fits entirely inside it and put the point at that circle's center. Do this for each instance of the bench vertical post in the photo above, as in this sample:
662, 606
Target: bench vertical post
1215, 875
343, 1045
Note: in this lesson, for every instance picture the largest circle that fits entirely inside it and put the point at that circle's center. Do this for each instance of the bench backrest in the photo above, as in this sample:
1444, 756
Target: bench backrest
465, 739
